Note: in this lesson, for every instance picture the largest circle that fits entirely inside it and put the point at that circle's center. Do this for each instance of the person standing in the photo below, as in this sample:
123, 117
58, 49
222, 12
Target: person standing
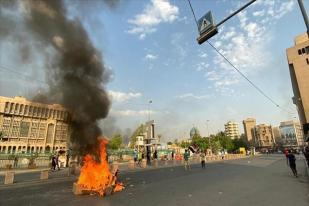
57, 162
155, 155
15, 162
203, 159
306, 153
53, 163
292, 162
186, 156
173, 154
135, 156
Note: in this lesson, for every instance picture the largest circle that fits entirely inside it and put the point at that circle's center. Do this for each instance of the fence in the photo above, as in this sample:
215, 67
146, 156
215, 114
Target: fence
24, 161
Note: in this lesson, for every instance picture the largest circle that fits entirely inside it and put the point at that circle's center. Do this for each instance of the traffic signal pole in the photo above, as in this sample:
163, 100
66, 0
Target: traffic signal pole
236, 12
304, 13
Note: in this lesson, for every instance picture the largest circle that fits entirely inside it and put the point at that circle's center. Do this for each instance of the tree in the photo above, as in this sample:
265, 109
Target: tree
184, 144
239, 143
225, 142
201, 142
169, 143
115, 142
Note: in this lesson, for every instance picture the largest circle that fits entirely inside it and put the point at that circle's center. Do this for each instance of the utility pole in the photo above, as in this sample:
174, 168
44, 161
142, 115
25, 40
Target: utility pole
304, 13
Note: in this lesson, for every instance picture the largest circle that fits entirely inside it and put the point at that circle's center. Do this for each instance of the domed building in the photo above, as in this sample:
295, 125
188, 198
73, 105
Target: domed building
194, 131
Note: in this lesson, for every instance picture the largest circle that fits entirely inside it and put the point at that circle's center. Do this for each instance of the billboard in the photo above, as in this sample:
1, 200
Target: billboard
288, 135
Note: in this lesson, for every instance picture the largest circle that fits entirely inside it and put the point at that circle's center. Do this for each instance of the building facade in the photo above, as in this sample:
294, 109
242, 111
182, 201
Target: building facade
291, 134
249, 125
231, 130
264, 137
31, 127
298, 60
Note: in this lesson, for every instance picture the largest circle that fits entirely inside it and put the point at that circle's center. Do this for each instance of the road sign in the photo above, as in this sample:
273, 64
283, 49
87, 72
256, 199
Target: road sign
206, 23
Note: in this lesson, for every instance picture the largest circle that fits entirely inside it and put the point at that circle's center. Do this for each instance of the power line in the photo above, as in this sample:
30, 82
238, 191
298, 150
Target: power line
3, 68
243, 75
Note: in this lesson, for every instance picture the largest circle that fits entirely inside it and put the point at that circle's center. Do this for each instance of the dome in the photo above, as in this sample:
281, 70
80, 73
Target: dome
194, 131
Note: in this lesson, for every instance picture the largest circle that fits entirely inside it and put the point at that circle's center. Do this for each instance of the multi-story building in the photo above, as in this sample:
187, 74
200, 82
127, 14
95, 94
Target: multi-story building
264, 137
298, 59
30, 127
277, 134
291, 134
249, 125
231, 129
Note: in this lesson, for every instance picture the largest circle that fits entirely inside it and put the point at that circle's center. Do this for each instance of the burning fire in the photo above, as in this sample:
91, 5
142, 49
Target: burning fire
97, 176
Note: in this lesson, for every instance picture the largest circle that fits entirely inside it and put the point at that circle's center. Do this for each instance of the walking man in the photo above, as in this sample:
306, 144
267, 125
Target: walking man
186, 156
292, 162
203, 159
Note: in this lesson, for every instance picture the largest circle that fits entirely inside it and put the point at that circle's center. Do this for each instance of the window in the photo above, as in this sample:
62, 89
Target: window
26, 110
16, 108
299, 52
12, 107
303, 50
21, 109
307, 61
31, 110
307, 49
6, 108
35, 109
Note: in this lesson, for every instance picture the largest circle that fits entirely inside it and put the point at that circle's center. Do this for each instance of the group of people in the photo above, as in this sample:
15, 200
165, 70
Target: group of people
55, 162
291, 159
186, 157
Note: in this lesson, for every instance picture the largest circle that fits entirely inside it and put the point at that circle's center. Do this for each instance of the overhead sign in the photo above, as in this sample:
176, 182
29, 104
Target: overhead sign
206, 23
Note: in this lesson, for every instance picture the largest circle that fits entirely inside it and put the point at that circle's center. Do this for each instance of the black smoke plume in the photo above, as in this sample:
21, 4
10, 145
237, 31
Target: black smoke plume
76, 73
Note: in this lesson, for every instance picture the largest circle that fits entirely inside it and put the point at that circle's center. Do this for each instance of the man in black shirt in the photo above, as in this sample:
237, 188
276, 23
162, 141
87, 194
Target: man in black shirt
292, 162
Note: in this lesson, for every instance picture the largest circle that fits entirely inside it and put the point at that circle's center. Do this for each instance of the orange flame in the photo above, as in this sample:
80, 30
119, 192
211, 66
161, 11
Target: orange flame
97, 176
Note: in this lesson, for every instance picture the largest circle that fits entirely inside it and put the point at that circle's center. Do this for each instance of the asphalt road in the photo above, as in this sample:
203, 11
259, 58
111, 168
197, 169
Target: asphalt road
258, 181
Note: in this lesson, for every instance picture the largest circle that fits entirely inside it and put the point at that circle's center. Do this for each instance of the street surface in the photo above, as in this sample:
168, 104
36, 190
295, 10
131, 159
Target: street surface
257, 181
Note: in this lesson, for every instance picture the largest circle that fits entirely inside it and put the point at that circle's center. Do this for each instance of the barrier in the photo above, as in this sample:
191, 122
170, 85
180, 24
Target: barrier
143, 163
44, 175
9, 178
131, 164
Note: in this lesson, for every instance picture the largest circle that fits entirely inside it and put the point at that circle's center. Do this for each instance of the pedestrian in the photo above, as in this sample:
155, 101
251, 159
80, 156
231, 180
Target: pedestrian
286, 153
203, 159
306, 153
135, 156
186, 156
155, 155
15, 162
292, 162
53, 163
173, 154
140, 157
57, 161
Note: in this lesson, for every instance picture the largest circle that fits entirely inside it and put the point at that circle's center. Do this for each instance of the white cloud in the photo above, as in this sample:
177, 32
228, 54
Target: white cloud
246, 45
192, 96
122, 97
151, 57
159, 11
202, 66
259, 13
132, 113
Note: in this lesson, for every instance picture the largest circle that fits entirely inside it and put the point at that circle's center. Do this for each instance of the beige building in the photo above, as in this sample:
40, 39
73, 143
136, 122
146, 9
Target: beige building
30, 127
298, 59
291, 134
249, 125
231, 129
264, 136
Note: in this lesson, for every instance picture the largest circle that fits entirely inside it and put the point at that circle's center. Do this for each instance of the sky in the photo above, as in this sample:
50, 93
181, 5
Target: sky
159, 71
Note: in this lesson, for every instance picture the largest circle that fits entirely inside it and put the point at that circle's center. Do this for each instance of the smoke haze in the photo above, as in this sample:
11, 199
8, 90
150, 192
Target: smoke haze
75, 70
